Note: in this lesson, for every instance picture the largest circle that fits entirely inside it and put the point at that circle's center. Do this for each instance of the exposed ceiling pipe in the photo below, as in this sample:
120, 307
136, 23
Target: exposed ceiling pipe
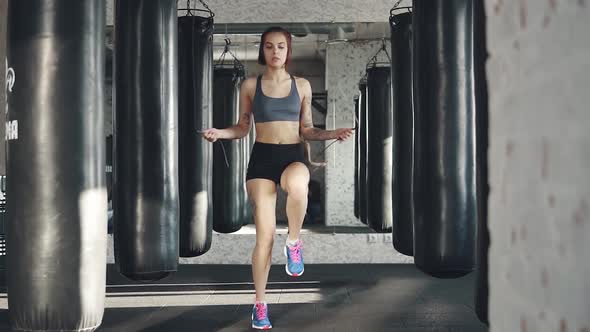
252, 54
298, 29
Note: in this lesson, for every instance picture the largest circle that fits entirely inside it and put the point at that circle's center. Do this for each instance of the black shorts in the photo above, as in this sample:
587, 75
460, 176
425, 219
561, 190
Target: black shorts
268, 161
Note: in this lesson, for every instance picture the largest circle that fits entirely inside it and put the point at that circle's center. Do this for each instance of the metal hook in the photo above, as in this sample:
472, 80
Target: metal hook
227, 43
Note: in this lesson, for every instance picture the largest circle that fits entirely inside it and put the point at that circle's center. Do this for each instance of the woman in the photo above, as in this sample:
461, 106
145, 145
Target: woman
281, 107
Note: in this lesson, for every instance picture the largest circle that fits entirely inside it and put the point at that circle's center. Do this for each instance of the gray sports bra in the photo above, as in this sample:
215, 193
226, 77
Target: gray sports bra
267, 109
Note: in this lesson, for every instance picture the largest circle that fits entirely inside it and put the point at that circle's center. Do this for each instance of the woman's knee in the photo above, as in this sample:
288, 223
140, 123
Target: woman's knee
265, 241
294, 174
297, 191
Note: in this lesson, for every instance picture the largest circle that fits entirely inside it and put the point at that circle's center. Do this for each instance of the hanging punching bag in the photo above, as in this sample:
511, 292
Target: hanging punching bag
481, 104
444, 160
145, 190
56, 209
403, 144
195, 79
363, 150
379, 148
356, 163
228, 182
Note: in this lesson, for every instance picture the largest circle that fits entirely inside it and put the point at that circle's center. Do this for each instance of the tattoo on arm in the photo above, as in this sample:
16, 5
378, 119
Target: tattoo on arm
308, 117
244, 124
245, 120
316, 134
308, 132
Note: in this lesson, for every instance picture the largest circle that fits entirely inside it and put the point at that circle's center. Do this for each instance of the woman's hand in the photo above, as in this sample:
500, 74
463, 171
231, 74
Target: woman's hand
343, 134
211, 134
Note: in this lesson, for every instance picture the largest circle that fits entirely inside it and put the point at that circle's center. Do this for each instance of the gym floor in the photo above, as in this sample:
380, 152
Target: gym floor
351, 297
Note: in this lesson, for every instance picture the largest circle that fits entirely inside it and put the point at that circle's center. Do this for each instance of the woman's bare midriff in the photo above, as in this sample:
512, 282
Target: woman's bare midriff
278, 132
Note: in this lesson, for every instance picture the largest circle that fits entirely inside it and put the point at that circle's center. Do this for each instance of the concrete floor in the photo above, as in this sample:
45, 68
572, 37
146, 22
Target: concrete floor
352, 297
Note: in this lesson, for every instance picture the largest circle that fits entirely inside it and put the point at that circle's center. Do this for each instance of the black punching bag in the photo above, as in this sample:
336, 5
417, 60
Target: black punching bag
56, 209
228, 180
362, 132
195, 111
481, 104
403, 144
145, 190
379, 148
445, 209
356, 163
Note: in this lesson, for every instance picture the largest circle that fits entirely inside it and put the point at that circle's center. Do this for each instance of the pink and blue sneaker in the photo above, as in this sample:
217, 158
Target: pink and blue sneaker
260, 317
294, 266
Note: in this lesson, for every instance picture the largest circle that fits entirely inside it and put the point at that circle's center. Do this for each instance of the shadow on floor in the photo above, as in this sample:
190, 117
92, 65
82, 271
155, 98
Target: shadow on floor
351, 297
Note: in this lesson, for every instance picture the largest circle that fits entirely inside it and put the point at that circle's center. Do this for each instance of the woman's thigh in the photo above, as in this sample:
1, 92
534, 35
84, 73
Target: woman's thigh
262, 194
295, 178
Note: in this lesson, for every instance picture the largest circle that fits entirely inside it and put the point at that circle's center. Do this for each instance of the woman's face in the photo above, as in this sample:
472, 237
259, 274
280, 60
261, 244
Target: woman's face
275, 49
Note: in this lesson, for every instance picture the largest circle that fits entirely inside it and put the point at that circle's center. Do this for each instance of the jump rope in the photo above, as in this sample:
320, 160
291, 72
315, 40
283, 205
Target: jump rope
316, 155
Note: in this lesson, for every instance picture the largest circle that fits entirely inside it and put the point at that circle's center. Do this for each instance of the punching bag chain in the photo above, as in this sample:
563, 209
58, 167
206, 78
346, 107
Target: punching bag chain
225, 51
237, 63
383, 48
206, 7
189, 10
